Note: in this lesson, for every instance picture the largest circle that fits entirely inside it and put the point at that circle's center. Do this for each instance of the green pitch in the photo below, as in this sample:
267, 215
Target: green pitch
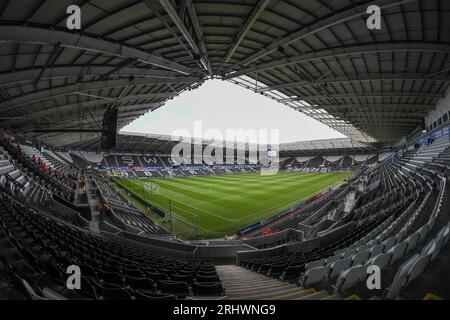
224, 204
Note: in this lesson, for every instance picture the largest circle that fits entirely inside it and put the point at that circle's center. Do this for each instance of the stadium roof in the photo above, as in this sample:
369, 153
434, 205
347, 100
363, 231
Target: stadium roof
130, 142
316, 56
323, 144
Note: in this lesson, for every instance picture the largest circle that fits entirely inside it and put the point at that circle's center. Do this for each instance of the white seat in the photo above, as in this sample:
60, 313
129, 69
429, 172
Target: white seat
423, 231
14, 174
363, 247
431, 223
349, 253
412, 241
401, 235
338, 266
417, 268
427, 247
401, 277
6, 169
340, 252
439, 244
382, 260
350, 277
389, 243
314, 275
360, 257
398, 251
332, 259
446, 235
376, 250
315, 264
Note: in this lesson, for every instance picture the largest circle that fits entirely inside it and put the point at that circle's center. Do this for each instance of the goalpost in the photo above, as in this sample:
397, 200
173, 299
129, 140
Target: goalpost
181, 225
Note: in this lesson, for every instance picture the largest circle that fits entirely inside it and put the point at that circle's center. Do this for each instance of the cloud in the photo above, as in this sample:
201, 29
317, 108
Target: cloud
222, 105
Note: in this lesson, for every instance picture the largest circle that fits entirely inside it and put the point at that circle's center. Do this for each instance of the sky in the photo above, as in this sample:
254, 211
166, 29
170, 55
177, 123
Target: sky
222, 106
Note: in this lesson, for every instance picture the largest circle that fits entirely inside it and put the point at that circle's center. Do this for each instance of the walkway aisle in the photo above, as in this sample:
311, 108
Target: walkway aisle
240, 283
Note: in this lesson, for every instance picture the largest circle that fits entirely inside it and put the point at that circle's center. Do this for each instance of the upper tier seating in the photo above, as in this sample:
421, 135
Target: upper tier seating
426, 153
64, 156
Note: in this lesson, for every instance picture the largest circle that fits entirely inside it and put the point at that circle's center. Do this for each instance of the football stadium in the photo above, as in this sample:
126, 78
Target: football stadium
353, 205
224, 203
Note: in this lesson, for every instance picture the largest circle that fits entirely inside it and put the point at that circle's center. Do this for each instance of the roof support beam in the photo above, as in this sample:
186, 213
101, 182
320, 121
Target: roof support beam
62, 139
73, 118
359, 49
151, 4
388, 119
366, 95
120, 66
72, 89
73, 124
33, 35
74, 71
252, 18
364, 106
65, 109
362, 78
182, 28
49, 63
334, 19
199, 33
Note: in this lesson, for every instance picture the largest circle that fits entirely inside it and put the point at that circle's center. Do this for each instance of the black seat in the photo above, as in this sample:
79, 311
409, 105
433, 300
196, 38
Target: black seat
293, 272
111, 277
88, 289
111, 292
87, 270
182, 277
153, 296
140, 283
207, 273
109, 268
178, 288
156, 275
54, 272
17, 284
200, 278
186, 272
132, 272
207, 289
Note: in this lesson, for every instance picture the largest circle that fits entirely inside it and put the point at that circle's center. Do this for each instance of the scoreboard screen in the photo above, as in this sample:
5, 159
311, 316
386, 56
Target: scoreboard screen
272, 153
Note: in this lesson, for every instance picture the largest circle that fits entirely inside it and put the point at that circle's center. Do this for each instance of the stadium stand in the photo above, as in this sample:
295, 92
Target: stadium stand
397, 232
62, 204
393, 223
120, 209
34, 268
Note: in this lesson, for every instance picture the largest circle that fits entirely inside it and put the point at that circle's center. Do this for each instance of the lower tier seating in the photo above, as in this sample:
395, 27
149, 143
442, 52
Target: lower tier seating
36, 251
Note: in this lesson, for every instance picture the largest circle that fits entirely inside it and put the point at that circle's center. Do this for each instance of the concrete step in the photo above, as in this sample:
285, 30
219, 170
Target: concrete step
240, 283
315, 296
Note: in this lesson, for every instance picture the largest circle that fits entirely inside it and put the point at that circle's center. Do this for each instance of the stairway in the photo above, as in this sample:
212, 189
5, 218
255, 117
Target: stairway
94, 201
240, 283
